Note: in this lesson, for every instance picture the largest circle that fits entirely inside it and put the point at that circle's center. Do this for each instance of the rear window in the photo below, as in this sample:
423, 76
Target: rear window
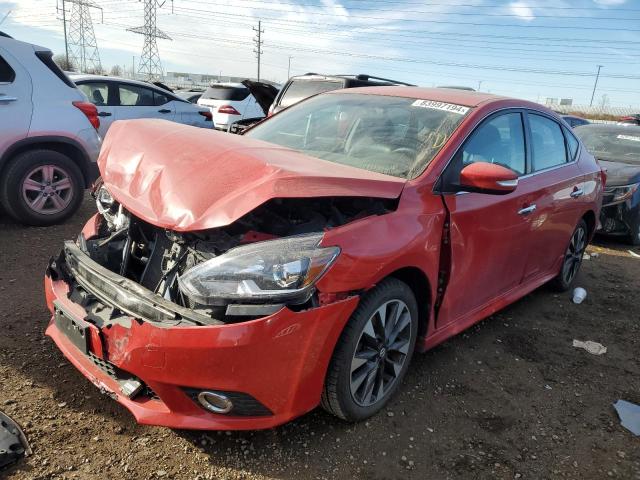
225, 92
7, 75
47, 58
301, 89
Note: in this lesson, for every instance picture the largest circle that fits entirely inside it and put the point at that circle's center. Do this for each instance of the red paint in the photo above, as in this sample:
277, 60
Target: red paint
489, 177
186, 178
189, 179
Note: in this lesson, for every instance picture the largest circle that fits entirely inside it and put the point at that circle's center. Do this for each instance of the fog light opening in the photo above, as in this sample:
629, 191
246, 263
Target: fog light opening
215, 402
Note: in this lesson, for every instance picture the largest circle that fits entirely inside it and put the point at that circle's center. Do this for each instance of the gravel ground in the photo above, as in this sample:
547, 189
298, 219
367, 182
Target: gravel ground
510, 398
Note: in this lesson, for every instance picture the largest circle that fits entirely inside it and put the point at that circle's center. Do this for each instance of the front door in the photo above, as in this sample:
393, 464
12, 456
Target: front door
488, 233
15, 101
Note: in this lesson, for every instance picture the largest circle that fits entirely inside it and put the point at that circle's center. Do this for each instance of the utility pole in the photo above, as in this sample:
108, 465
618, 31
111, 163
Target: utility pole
149, 64
258, 41
64, 23
82, 40
289, 68
479, 84
595, 85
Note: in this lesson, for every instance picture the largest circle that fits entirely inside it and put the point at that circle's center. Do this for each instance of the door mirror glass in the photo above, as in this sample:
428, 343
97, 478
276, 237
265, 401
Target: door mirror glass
484, 177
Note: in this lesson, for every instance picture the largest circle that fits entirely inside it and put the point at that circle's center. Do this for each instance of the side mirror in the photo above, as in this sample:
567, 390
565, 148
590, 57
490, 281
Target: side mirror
483, 177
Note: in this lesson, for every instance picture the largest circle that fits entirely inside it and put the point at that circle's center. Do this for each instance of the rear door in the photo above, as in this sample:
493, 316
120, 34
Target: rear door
103, 96
557, 185
15, 101
136, 101
488, 233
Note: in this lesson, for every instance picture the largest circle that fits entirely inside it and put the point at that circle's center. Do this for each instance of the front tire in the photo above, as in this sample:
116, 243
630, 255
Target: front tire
41, 187
373, 353
572, 258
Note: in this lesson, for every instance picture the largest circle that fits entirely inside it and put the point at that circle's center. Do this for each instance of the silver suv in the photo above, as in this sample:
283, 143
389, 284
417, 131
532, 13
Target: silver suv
48, 136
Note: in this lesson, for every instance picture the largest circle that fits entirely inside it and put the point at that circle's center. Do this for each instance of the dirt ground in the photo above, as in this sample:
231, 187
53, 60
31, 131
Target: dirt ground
509, 399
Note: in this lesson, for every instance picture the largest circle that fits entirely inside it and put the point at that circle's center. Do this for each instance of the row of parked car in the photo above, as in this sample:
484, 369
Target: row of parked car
52, 125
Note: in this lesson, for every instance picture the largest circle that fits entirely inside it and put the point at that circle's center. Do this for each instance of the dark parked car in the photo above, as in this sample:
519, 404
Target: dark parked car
191, 95
304, 86
617, 147
574, 121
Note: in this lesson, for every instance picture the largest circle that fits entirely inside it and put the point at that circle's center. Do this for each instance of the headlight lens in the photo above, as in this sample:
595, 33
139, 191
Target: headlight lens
275, 270
620, 194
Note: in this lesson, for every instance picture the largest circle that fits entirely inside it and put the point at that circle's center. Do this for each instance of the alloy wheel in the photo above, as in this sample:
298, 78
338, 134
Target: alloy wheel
380, 353
47, 189
573, 256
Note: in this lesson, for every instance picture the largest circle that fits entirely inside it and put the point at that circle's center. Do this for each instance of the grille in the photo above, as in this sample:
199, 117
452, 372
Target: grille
118, 374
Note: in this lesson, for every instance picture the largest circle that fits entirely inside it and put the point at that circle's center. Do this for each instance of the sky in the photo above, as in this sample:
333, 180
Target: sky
531, 49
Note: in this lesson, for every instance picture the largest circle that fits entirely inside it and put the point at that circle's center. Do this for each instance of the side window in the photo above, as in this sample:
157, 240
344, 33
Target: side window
96, 92
160, 98
572, 144
499, 140
134, 96
547, 143
7, 75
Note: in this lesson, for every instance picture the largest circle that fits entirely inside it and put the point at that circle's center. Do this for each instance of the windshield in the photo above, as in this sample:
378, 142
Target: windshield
618, 144
391, 135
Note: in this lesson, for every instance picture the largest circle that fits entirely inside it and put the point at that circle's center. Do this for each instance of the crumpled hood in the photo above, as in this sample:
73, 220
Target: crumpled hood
187, 178
620, 173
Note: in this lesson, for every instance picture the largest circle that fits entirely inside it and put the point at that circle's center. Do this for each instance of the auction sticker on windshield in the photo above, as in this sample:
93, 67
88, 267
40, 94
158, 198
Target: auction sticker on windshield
447, 107
629, 137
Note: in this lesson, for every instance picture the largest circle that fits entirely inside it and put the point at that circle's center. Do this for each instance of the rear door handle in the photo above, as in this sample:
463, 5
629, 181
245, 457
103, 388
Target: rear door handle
527, 210
577, 192
104, 114
164, 110
4, 98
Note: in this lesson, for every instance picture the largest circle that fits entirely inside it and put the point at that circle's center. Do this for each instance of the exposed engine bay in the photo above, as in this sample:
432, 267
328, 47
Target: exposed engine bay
158, 259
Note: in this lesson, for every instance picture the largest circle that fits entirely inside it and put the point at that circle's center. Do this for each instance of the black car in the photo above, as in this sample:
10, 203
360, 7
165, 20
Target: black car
574, 121
617, 148
304, 86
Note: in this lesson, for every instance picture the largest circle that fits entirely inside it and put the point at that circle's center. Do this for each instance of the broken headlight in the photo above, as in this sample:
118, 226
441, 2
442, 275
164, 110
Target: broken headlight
283, 270
109, 208
620, 194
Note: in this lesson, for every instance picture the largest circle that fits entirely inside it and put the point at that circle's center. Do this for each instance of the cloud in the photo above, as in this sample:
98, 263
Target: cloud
522, 11
608, 3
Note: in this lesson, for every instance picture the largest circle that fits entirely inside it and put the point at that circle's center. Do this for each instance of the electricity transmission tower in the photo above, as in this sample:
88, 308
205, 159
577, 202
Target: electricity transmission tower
81, 45
149, 64
258, 42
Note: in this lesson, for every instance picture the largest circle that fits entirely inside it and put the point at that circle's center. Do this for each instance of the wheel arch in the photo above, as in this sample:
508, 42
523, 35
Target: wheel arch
419, 283
65, 146
590, 219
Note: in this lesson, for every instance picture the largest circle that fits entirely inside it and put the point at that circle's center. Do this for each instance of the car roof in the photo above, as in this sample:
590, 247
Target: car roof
79, 77
227, 85
447, 95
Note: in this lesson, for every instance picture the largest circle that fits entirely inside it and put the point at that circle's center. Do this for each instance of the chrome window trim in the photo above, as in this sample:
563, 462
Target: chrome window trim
521, 110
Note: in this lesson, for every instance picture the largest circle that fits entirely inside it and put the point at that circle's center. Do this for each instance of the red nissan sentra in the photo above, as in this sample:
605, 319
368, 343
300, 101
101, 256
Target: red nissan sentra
237, 282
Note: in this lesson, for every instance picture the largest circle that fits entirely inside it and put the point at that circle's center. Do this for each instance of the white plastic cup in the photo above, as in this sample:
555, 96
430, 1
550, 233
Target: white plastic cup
579, 294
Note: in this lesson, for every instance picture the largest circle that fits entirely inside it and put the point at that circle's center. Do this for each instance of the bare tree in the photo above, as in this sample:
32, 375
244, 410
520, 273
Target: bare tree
61, 61
116, 71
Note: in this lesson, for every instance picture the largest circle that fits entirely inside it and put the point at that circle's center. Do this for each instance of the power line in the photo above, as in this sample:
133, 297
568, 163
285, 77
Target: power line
149, 64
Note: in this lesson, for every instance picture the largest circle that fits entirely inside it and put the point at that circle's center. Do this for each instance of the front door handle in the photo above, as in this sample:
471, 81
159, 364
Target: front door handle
4, 98
164, 110
527, 210
577, 192
104, 114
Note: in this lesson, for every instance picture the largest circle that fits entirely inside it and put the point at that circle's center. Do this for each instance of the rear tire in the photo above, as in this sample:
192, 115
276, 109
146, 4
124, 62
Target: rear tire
41, 187
572, 258
373, 353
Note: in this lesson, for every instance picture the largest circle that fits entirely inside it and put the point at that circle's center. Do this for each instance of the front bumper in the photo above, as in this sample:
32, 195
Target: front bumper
621, 218
279, 360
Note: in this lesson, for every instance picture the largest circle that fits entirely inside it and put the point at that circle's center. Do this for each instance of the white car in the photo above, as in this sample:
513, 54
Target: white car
232, 102
48, 136
122, 99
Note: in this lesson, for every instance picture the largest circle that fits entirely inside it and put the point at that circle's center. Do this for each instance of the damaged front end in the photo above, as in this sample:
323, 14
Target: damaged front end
266, 260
